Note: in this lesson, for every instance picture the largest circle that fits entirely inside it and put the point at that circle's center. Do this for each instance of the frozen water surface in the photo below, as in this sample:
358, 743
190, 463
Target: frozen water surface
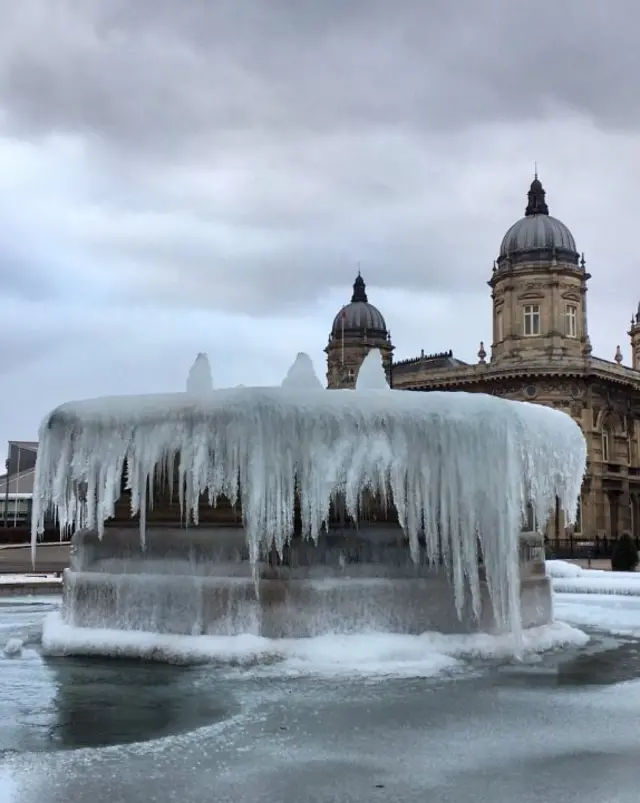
557, 726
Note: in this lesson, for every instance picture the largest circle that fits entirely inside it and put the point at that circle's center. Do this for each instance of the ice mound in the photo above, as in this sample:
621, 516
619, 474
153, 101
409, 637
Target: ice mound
13, 648
199, 379
568, 578
301, 375
605, 583
562, 568
366, 654
460, 468
371, 375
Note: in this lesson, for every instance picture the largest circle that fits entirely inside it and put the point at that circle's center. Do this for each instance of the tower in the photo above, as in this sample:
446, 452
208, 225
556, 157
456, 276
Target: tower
539, 287
357, 328
634, 334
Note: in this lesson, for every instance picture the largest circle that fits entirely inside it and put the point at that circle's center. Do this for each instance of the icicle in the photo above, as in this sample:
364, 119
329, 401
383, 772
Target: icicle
199, 379
372, 375
460, 468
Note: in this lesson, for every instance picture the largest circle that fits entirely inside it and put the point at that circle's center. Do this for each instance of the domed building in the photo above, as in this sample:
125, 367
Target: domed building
357, 328
540, 352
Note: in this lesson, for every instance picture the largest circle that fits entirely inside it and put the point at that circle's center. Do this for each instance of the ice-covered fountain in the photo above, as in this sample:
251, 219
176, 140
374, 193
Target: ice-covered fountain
295, 510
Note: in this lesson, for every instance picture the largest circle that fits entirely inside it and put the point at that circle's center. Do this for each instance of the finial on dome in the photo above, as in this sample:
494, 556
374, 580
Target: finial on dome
537, 204
482, 354
359, 289
618, 357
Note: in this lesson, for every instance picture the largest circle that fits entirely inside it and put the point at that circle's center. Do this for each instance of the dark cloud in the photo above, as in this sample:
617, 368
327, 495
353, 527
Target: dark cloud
165, 76
180, 176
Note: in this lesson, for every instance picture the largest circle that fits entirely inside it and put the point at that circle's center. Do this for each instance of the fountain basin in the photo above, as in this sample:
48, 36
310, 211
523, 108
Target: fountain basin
200, 582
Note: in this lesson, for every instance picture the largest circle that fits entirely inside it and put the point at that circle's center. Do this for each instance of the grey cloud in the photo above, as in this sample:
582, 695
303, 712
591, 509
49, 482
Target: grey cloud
167, 76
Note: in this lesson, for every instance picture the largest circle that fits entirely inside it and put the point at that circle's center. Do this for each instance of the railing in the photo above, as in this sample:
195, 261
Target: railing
581, 549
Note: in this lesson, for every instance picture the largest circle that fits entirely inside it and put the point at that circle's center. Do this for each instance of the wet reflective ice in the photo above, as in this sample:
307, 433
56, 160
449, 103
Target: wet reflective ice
561, 726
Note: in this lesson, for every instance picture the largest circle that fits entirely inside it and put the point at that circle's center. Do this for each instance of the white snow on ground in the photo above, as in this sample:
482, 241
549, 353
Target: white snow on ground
617, 615
567, 578
370, 654
603, 600
622, 587
29, 579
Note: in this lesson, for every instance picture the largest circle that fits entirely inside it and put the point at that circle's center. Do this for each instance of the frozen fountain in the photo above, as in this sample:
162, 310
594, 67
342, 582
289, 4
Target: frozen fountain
294, 510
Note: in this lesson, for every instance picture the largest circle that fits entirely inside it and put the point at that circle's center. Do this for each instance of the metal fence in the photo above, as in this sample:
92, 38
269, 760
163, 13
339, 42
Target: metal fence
564, 548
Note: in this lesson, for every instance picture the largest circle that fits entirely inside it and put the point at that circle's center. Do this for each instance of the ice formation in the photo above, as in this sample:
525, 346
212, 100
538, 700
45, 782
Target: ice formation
371, 375
199, 379
460, 467
301, 375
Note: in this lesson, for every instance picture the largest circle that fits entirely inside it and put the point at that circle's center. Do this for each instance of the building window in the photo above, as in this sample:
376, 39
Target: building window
577, 527
532, 320
571, 320
499, 328
350, 374
605, 446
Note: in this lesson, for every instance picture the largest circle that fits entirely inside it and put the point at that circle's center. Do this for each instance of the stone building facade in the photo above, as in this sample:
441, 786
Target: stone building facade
540, 353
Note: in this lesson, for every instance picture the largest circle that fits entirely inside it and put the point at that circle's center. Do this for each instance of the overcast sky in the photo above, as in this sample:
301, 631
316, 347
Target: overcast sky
195, 176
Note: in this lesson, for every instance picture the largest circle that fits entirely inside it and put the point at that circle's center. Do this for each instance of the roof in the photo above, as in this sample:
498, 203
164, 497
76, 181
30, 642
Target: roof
21, 483
538, 236
427, 362
359, 316
31, 446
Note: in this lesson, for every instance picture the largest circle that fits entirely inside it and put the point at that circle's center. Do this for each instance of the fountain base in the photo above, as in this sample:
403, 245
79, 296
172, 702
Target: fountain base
199, 582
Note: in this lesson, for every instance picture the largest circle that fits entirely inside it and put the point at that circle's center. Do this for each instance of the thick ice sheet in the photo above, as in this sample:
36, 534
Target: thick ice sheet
568, 578
29, 579
382, 654
463, 466
599, 584
615, 614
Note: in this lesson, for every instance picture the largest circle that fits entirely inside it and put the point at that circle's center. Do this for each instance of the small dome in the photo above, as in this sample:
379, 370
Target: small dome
538, 236
359, 315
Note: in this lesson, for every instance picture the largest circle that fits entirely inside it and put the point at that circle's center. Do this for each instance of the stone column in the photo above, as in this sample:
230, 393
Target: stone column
614, 513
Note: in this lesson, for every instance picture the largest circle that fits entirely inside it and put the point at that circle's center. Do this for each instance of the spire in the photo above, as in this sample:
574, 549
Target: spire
537, 204
359, 290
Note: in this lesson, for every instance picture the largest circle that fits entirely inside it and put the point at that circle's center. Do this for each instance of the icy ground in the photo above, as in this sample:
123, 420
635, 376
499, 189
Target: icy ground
374, 718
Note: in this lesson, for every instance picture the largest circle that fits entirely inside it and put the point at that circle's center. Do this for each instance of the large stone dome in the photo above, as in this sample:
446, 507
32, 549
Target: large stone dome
538, 237
359, 316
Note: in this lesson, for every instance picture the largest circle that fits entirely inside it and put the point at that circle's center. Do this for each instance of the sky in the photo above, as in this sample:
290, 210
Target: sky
191, 176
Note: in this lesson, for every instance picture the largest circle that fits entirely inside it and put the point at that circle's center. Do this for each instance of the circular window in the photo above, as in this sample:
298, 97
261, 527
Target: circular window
530, 391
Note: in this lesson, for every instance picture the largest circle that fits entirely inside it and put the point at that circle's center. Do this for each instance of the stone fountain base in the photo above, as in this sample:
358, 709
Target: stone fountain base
199, 582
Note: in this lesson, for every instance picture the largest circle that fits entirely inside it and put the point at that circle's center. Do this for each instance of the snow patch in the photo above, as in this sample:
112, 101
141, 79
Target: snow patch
568, 578
562, 568
597, 585
381, 654
29, 579
13, 648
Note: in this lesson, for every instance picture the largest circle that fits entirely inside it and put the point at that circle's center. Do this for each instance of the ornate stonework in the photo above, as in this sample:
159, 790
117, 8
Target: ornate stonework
541, 353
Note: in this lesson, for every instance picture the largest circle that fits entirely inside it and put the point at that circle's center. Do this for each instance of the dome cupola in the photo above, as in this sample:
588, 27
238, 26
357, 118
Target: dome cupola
359, 316
538, 237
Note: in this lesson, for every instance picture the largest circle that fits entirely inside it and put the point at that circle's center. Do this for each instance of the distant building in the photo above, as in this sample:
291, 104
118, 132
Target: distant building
540, 352
16, 485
